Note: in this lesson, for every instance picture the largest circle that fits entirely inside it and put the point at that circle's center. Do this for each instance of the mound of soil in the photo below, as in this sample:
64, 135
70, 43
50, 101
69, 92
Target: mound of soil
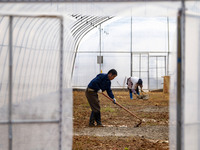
120, 131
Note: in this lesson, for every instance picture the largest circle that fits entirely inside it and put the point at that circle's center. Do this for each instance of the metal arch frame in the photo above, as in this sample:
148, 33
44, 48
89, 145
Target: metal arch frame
24, 41
69, 58
18, 32
40, 47
99, 21
26, 46
35, 37
41, 25
80, 21
2, 74
78, 1
23, 37
88, 27
78, 40
10, 121
80, 25
45, 42
83, 30
85, 25
54, 57
40, 68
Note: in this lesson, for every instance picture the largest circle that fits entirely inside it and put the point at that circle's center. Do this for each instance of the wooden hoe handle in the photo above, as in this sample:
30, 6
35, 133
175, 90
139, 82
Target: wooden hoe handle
122, 107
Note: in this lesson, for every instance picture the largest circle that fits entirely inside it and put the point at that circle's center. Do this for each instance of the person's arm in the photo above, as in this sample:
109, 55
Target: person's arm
110, 93
141, 86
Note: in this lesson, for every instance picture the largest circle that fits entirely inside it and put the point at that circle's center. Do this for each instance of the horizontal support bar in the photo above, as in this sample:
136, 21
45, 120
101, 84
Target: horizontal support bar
192, 123
57, 16
29, 121
145, 52
81, 1
140, 71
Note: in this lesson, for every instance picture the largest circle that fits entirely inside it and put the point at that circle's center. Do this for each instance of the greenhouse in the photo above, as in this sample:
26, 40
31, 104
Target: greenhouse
48, 49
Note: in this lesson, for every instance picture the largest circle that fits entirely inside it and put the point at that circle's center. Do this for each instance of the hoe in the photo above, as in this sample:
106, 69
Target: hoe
125, 110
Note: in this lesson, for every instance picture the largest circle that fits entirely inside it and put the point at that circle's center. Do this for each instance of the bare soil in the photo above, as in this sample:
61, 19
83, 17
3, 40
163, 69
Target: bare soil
120, 132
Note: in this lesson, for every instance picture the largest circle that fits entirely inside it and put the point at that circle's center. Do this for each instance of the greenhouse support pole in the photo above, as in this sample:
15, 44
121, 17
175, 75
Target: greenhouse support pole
165, 66
140, 68
157, 71
131, 49
180, 77
179, 115
61, 83
100, 47
168, 45
148, 73
10, 136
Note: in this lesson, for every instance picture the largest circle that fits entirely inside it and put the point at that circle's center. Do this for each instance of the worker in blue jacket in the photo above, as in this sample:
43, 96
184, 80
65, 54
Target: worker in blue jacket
102, 82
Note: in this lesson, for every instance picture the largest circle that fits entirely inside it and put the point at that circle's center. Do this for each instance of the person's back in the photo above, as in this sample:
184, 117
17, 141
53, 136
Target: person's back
101, 81
133, 83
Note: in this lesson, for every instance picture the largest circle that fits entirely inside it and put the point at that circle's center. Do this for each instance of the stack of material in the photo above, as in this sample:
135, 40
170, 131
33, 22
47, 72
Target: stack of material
166, 84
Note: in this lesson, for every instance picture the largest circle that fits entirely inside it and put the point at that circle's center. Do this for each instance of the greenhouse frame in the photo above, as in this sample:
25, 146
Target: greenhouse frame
48, 48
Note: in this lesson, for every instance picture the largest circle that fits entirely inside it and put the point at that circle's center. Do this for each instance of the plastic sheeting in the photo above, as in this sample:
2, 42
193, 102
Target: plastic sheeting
35, 89
191, 103
189, 110
40, 116
148, 41
36, 107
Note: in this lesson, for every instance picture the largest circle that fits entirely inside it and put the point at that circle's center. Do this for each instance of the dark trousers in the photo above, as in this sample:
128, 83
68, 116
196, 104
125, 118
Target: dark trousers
93, 100
95, 116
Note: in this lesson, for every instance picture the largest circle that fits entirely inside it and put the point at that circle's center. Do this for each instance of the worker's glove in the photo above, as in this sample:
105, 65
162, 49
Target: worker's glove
139, 96
99, 91
114, 100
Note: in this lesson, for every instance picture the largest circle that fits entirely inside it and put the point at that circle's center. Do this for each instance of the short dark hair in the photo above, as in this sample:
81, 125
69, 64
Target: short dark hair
113, 72
140, 81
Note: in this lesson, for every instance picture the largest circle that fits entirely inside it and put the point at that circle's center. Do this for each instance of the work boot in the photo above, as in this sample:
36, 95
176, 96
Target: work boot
91, 125
100, 125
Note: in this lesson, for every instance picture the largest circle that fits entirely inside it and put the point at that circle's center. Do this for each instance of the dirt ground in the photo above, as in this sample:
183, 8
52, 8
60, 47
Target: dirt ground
120, 132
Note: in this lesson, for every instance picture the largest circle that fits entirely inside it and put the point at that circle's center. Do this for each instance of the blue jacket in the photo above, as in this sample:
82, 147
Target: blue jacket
102, 82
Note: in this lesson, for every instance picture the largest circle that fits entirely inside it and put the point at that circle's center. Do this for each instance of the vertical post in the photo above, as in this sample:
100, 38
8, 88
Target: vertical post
157, 71
131, 49
180, 77
61, 83
178, 126
100, 46
140, 55
165, 65
148, 72
168, 45
10, 85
